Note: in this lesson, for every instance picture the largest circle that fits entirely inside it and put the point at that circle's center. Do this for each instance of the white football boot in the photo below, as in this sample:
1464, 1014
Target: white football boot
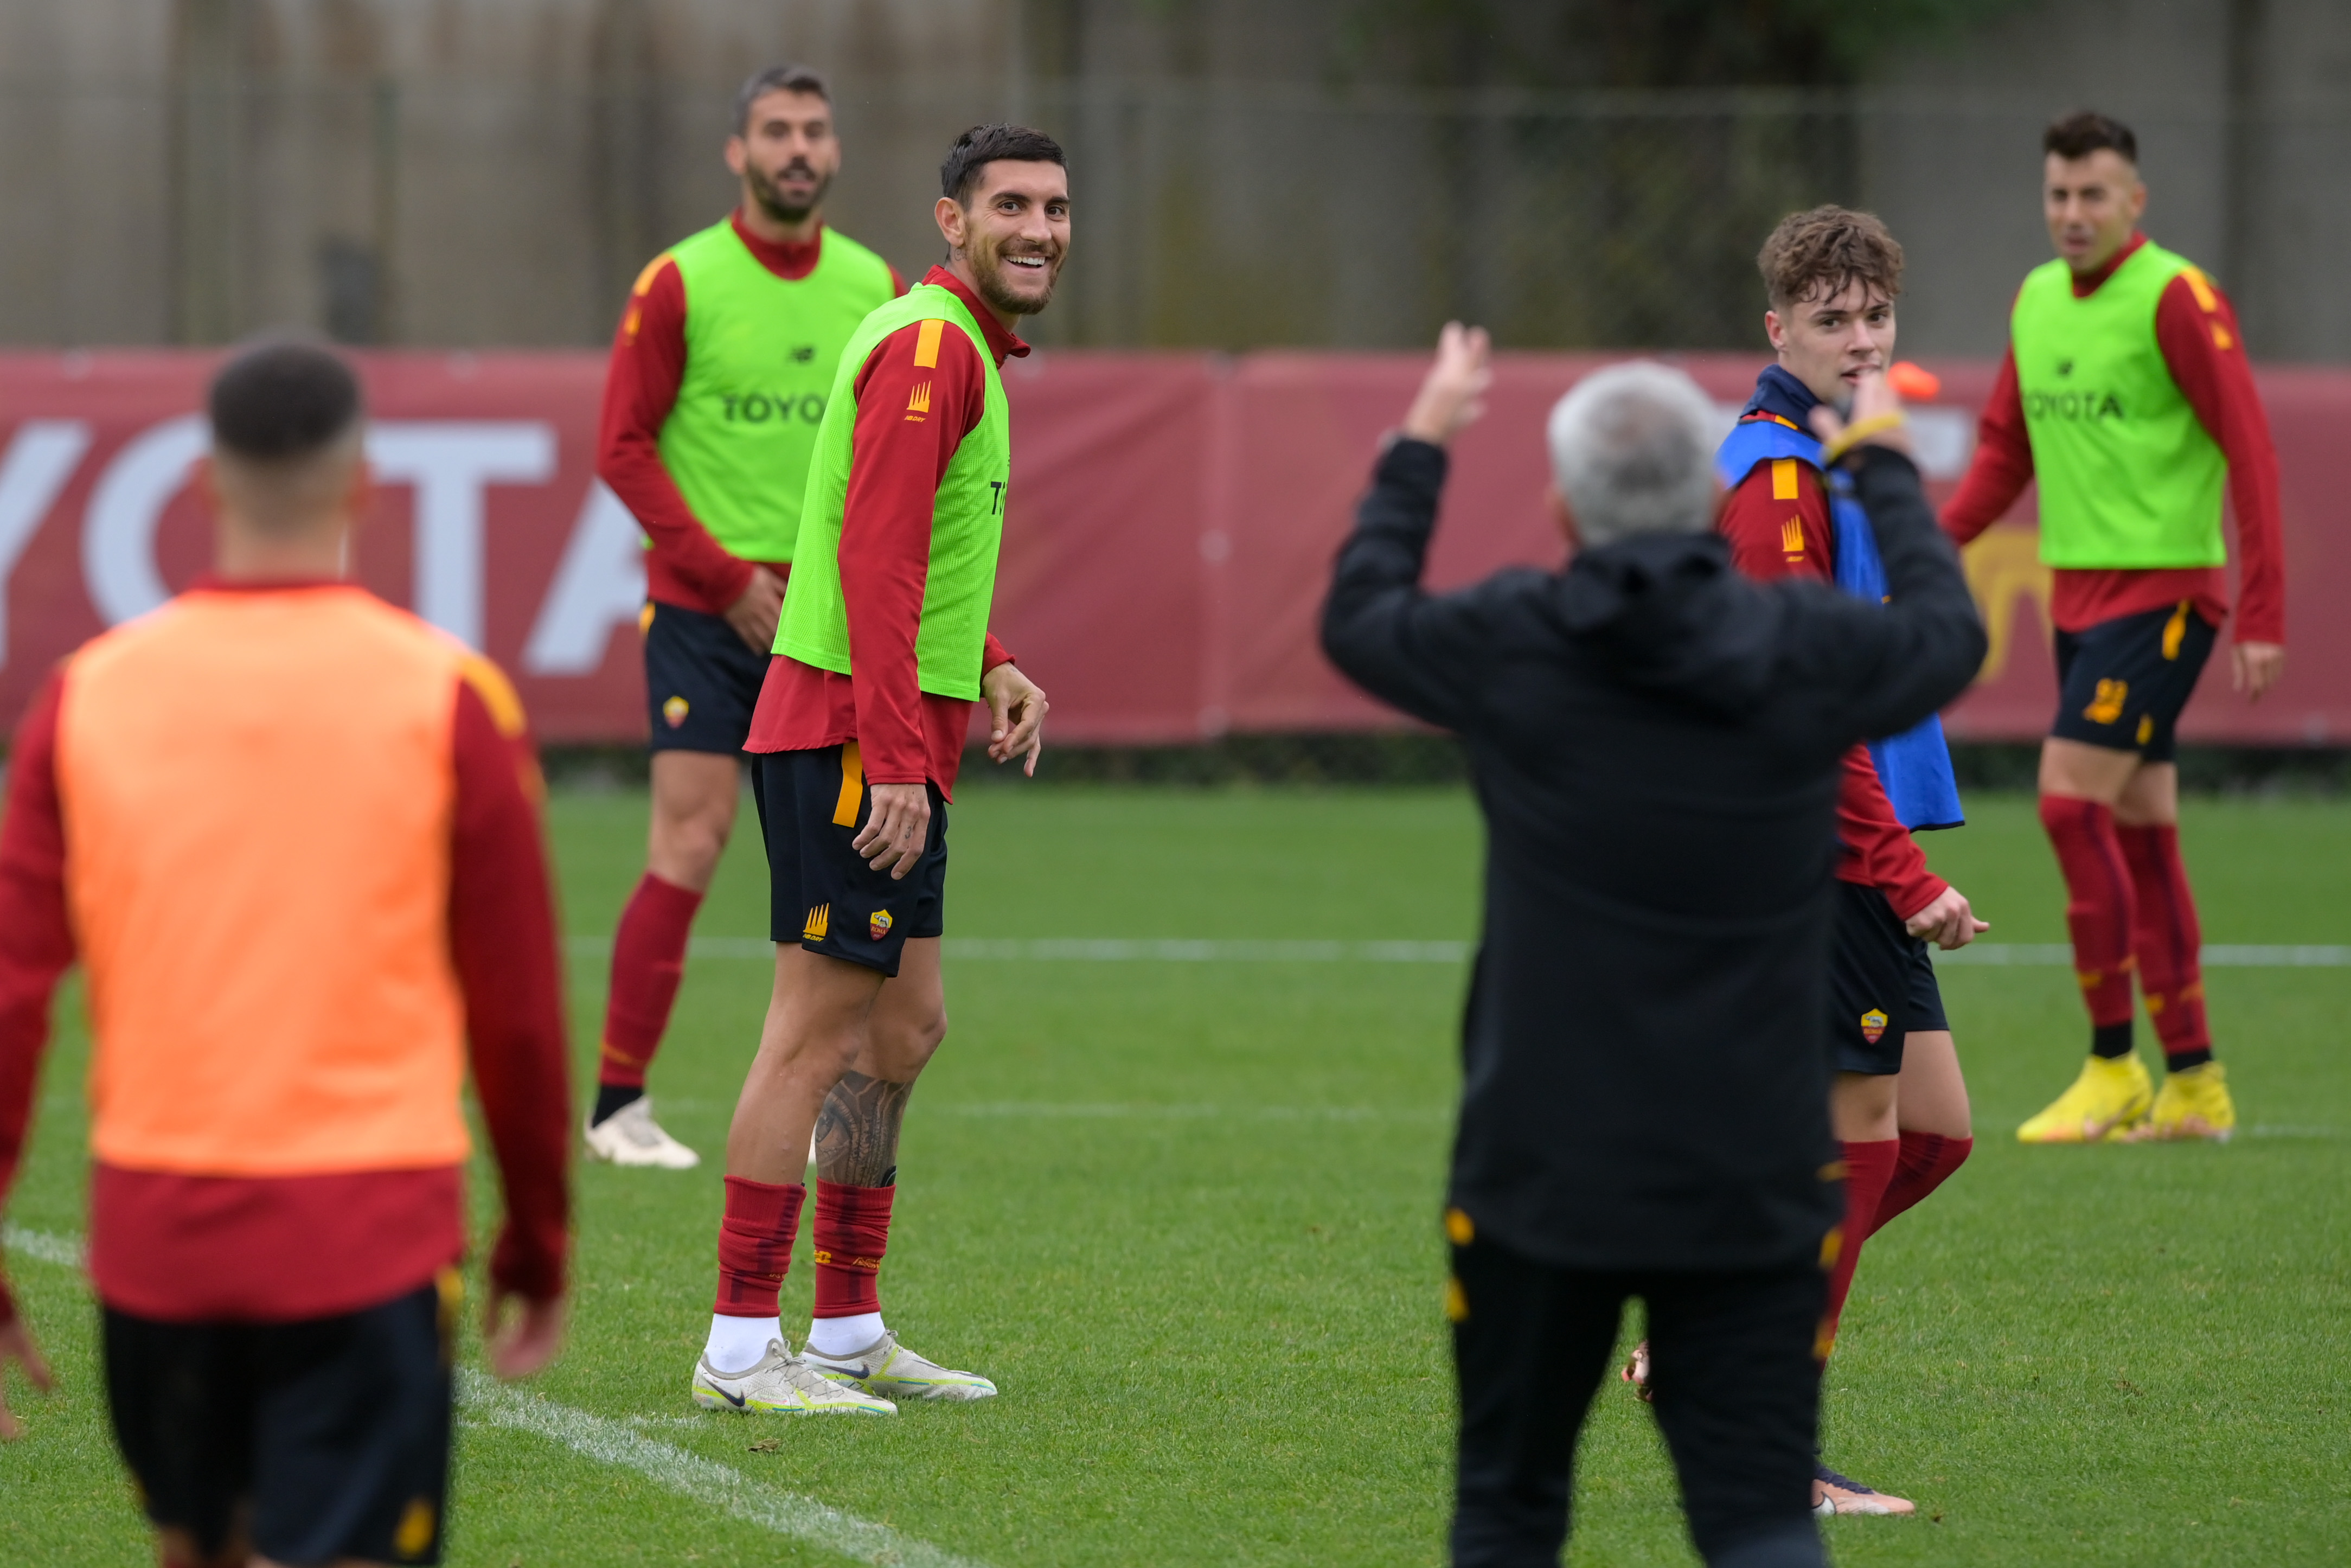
887, 1368
781, 1383
630, 1136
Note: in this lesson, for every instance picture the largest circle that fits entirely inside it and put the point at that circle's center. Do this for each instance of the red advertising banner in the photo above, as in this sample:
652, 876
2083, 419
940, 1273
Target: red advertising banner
1170, 527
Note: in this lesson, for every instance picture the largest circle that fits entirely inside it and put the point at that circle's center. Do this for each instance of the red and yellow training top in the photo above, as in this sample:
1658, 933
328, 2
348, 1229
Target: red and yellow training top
292, 834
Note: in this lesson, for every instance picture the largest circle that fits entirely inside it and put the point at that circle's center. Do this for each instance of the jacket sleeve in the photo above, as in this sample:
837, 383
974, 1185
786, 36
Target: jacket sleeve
502, 938
1412, 650
1777, 521
912, 418
1867, 827
2002, 464
641, 384
36, 942
1896, 664
2204, 348
1756, 519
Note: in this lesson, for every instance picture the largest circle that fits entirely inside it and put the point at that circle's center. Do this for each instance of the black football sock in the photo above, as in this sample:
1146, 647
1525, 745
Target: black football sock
2181, 1061
2111, 1041
611, 1097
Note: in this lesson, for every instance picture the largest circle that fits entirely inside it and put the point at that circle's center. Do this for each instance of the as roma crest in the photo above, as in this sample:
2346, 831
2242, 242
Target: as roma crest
880, 927
1873, 1024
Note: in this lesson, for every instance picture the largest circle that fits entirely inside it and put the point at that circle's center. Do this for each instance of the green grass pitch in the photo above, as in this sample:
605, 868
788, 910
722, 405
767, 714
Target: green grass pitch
1186, 1214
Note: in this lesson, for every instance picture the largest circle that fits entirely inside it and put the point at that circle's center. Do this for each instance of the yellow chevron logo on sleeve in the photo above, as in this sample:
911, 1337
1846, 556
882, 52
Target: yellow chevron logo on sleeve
1792, 539
918, 401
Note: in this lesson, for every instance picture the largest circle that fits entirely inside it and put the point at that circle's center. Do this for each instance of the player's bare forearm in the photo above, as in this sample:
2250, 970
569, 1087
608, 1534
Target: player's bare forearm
2256, 668
16, 1345
857, 1130
1016, 714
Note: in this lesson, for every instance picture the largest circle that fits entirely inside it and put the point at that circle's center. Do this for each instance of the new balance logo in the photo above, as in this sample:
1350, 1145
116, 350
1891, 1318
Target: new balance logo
918, 403
819, 921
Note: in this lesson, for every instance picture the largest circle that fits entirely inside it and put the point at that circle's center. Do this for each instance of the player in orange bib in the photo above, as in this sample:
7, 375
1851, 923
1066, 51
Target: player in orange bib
291, 834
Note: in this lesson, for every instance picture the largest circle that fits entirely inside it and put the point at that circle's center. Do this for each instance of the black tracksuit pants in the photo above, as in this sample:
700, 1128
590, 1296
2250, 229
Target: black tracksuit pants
1736, 1388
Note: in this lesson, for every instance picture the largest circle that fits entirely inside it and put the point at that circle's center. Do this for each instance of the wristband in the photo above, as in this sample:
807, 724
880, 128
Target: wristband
1856, 434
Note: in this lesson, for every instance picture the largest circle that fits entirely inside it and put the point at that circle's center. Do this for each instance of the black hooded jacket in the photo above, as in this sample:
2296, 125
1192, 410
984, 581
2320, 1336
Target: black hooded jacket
1654, 741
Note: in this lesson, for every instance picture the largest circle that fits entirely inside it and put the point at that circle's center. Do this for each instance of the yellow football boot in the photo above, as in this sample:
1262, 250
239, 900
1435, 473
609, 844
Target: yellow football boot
2194, 1104
2109, 1099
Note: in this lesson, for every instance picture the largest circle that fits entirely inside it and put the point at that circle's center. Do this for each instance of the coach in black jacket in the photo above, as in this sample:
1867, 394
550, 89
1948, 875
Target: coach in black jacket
1655, 743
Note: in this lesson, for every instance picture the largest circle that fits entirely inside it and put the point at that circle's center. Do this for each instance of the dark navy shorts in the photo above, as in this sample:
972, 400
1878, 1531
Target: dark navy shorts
1881, 984
702, 681
331, 1436
2121, 684
823, 895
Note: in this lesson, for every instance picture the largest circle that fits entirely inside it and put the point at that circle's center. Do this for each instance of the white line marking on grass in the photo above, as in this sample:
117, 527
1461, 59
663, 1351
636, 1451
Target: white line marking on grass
1112, 1112
65, 1251
615, 1443
705, 1480
1105, 950
2217, 956
1181, 950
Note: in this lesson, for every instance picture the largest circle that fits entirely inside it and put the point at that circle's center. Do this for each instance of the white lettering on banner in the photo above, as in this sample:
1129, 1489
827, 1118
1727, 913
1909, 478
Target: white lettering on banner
39, 460
450, 463
599, 584
118, 535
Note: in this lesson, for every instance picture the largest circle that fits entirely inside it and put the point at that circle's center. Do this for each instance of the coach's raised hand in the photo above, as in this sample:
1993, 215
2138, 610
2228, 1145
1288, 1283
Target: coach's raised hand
1451, 395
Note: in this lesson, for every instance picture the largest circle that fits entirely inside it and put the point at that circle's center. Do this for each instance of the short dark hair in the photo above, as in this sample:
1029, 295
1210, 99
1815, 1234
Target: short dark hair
984, 145
777, 79
1823, 250
2078, 135
279, 402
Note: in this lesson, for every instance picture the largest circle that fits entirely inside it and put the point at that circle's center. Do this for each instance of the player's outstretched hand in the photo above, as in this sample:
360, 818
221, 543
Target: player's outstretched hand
526, 1345
897, 830
16, 1344
1451, 395
1949, 922
1015, 716
753, 616
2257, 668
1876, 420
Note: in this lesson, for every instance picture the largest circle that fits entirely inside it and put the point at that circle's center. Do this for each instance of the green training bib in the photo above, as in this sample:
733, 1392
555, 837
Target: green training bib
760, 351
966, 515
2129, 477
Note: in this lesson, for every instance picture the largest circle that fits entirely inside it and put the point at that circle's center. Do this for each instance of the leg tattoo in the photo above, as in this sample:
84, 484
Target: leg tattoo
857, 1131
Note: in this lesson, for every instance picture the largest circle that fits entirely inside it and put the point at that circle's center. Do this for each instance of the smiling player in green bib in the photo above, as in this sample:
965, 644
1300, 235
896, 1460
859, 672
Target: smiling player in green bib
883, 648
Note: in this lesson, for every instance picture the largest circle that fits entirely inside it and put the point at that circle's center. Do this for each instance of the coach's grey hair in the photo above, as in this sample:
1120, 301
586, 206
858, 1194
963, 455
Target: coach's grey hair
1631, 448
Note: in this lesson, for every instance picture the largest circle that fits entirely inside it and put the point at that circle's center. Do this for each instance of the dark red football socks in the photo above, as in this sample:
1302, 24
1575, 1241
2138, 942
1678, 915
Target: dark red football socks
852, 1233
648, 961
1927, 1161
2100, 909
755, 1246
1868, 1169
2170, 943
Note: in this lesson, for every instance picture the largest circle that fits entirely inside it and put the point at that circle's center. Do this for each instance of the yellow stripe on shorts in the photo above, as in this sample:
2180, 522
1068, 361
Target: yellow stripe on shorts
852, 786
2174, 630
